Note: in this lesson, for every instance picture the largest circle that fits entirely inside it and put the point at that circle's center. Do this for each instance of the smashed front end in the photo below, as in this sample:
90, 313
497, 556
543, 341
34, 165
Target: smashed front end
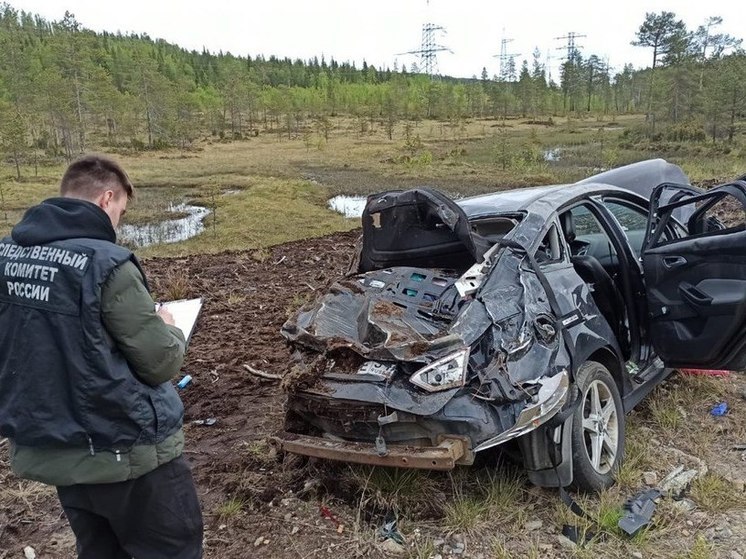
440, 344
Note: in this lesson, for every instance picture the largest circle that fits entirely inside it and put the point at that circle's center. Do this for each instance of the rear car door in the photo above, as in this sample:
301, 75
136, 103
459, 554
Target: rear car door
696, 279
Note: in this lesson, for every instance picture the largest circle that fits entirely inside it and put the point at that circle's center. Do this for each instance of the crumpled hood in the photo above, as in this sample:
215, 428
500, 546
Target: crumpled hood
400, 314
56, 219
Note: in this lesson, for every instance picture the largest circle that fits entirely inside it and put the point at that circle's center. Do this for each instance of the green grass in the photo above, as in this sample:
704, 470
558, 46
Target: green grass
230, 508
713, 493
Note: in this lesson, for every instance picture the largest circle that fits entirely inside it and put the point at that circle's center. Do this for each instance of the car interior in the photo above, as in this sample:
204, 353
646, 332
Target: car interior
595, 261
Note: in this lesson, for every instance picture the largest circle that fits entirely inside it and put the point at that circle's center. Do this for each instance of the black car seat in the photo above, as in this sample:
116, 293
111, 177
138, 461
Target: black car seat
606, 295
568, 227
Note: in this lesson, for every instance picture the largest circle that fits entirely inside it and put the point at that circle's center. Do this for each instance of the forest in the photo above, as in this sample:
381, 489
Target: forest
65, 89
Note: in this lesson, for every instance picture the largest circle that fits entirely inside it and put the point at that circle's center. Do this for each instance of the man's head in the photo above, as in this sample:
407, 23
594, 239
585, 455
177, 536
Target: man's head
100, 180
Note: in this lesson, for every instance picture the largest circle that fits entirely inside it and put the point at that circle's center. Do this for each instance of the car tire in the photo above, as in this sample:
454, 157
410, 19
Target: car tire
598, 429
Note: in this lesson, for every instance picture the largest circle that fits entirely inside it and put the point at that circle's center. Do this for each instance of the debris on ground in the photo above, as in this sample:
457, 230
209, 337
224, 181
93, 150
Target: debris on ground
184, 381
720, 409
29, 552
329, 515
639, 512
262, 374
209, 421
678, 481
389, 530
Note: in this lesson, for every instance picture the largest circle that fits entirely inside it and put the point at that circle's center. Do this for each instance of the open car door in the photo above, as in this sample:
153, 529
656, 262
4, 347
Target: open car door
695, 275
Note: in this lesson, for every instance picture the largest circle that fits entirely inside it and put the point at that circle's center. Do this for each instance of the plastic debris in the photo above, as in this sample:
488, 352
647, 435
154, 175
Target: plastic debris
719, 410
639, 511
578, 536
389, 531
184, 382
209, 421
329, 515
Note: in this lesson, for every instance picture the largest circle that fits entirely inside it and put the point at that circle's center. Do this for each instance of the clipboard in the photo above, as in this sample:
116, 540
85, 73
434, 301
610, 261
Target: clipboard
185, 313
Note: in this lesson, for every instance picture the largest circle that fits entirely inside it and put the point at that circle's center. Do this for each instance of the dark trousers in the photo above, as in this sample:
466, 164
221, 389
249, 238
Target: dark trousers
156, 516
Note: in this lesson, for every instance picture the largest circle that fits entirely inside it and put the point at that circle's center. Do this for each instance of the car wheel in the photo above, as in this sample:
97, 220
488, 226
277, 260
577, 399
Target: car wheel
598, 429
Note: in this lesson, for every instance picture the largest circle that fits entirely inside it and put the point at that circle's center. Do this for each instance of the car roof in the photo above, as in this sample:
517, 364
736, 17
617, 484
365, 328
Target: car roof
538, 199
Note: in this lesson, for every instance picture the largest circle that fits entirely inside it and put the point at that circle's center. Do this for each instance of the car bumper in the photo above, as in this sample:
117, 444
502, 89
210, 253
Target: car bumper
451, 450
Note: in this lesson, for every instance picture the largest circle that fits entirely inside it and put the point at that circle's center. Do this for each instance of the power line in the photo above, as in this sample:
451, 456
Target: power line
572, 47
429, 48
505, 58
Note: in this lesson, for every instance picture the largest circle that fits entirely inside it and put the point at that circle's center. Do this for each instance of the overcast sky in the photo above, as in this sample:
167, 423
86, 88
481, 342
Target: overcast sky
379, 30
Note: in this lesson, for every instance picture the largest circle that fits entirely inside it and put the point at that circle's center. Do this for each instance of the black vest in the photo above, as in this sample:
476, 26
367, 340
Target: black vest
63, 382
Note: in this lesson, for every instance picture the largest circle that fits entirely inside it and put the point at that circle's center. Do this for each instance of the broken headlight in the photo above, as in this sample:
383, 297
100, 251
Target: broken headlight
445, 373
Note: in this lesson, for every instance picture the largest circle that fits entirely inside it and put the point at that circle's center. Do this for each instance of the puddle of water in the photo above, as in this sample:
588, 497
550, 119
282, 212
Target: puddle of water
349, 206
168, 231
552, 154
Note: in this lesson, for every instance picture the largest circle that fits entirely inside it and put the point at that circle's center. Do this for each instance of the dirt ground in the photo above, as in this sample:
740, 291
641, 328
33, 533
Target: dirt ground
256, 503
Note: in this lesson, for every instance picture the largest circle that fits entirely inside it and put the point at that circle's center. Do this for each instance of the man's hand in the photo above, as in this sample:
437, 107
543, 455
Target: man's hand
166, 315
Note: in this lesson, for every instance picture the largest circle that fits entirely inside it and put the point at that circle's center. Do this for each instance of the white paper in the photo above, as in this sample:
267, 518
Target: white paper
185, 313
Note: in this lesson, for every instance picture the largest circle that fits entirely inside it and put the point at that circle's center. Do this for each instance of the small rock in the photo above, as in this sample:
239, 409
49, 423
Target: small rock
533, 525
294, 531
458, 548
288, 517
637, 554
686, 533
700, 516
685, 505
678, 481
340, 528
689, 523
390, 546
440, 542
266, 541
258, 541
566, 542
29, 552
650, 478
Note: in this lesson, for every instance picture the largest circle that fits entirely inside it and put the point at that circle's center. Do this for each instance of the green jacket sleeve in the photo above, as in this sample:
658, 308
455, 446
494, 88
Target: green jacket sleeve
154, 350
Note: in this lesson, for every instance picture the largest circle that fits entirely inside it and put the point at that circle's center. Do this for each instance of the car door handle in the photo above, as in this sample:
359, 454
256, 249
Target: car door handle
694, 296
673, 261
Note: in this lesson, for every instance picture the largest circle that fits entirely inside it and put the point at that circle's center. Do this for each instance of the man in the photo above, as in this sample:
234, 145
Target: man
85, 365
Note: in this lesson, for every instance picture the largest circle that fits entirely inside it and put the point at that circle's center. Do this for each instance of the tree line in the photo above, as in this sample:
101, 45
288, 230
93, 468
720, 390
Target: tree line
64, 89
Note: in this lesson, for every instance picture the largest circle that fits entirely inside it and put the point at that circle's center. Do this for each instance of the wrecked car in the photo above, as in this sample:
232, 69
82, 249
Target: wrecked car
537, 316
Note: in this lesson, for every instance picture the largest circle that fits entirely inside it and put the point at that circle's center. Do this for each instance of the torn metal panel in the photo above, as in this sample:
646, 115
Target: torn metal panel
390, 314
397, 395
553, 393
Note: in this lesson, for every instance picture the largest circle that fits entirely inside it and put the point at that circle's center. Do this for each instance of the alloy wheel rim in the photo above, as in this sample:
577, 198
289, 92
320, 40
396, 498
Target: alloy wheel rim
600, 427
